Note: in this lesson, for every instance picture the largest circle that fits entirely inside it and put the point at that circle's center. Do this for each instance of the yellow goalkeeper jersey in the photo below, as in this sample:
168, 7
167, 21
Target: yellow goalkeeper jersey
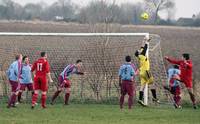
144, 63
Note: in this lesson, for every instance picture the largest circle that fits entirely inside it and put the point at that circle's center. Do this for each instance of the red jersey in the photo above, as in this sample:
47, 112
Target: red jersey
41, 66
186, 69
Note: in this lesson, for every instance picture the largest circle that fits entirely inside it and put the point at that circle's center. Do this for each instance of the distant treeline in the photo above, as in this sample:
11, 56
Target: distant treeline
97, 11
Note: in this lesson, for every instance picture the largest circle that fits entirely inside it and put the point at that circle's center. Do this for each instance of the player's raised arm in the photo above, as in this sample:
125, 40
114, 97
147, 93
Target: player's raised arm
173, 61
145, 46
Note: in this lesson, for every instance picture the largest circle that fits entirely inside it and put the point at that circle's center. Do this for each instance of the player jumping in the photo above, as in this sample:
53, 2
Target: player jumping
186, 74
144, 72
126, 82
64, 81
13, 74
42, 71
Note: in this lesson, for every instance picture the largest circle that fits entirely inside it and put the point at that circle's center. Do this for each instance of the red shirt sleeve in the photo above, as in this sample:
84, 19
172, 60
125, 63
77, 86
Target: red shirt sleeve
173, 61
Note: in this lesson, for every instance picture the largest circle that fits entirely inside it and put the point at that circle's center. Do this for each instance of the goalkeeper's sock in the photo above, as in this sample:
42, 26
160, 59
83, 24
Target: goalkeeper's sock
141, 94
153, 91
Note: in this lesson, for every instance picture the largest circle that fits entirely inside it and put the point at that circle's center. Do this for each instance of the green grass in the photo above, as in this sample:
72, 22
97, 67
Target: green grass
97, 114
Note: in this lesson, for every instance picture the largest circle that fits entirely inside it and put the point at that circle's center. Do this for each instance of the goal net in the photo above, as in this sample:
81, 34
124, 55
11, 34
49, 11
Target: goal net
101, 53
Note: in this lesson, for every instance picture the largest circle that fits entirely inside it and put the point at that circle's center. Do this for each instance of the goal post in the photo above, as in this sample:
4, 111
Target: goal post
102, 53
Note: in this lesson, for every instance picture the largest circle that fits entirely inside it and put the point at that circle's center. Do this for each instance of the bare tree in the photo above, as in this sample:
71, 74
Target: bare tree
99, 12
32, 11
10, 10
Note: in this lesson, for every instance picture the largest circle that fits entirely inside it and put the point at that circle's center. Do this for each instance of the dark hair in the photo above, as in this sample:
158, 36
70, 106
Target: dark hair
137, 53
24, 58
17, 56
78, 61
186, 56
42, 54
128, 58
176, 66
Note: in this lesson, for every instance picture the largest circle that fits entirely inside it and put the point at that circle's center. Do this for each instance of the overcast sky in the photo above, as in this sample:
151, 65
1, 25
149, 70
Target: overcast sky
184, 8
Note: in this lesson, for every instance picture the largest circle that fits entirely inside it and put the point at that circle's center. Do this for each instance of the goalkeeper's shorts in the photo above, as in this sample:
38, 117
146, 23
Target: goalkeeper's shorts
146, 77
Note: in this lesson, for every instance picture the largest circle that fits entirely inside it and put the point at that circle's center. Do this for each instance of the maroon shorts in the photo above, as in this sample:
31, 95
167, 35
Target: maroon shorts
29, 86
40, 83
63, 83
128, 87
176, 90
15, 86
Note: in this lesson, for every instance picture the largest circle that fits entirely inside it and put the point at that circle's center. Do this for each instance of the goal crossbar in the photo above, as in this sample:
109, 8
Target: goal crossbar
69, 34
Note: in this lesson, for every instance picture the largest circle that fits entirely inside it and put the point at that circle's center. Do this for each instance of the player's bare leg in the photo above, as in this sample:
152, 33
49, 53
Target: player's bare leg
34, 98
67, 95
56, 94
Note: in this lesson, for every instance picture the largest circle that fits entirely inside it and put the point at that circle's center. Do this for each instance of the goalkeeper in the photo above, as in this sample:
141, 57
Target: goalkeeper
144, 72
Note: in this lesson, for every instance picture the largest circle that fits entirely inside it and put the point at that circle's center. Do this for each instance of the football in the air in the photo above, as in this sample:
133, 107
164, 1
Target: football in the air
144, 16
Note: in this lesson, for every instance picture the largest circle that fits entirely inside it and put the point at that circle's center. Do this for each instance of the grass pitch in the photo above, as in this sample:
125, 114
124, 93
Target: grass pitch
97, 114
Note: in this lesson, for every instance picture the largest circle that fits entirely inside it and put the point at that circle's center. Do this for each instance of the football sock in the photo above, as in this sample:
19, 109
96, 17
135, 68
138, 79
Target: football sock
34, 99
43, 100
67, 98
153, 91
192, 97
141, 94
12, 99
121, 101
56, 94
19, 96
130, 102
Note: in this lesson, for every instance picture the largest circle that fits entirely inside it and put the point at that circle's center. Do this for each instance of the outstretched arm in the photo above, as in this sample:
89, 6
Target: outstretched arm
145, 46
173, 61
80, 73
